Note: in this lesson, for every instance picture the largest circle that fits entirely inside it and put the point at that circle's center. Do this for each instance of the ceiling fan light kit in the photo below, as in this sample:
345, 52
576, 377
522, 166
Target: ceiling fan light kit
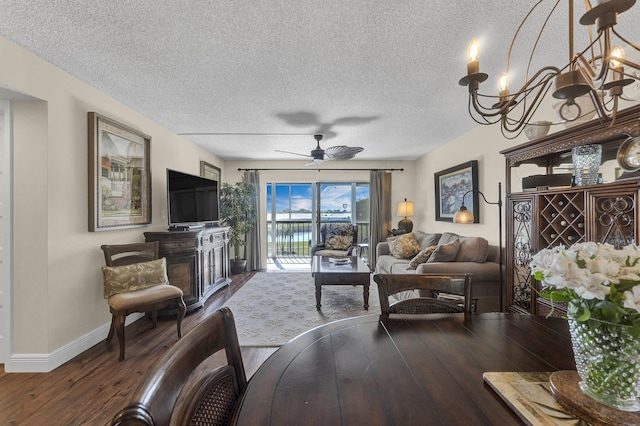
601, 76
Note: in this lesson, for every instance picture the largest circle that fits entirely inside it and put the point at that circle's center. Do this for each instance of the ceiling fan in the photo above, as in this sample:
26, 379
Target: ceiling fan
319, 155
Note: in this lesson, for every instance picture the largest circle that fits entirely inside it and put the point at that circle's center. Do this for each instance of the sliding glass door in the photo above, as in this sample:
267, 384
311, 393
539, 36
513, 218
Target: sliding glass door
290, 218
297, 211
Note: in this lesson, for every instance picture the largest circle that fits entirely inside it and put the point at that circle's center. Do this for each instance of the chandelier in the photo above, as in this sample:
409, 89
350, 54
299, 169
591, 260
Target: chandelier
597, 73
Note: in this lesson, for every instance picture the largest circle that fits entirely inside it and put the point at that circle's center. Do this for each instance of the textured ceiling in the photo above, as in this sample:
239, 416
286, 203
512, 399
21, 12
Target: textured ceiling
246, 78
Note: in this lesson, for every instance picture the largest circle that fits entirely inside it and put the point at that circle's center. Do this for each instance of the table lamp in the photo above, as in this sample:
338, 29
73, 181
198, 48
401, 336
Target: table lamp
405, 209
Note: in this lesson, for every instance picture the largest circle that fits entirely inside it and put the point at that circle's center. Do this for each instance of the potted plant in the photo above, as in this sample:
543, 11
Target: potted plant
238, 212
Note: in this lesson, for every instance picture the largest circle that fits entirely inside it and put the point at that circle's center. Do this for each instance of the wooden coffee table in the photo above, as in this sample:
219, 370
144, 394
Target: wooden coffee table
327, 271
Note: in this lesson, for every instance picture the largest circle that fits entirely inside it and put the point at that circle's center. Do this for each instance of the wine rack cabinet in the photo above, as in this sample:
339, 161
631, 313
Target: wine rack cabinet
561, 219
546, 218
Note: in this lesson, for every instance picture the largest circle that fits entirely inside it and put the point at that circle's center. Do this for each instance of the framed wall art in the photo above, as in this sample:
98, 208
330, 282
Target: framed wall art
119, 175
451, 185
210, 171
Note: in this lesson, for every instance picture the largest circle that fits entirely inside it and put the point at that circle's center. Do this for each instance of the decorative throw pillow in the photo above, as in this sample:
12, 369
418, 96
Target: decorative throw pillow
421, 257
445, 252
448, 237
120, 279
331, 231
429, 240
473, 249
339, 242
404, 247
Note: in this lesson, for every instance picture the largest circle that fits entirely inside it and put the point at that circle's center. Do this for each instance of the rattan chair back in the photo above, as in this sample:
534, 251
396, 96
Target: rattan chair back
424, 293
172, 394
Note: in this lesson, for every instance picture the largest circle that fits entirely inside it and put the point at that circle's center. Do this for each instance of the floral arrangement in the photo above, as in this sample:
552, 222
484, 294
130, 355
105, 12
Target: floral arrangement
596, 280
601, 286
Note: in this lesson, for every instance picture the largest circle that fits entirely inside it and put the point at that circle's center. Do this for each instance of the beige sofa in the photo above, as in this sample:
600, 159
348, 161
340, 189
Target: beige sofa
452, 254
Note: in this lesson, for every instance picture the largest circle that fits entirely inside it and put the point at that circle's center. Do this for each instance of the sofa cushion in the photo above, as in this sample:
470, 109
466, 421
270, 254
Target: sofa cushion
473, 249
430, 240
402, 268
445, 252
448, 237
332, 253
404, 247
421, 257
119, 279
385, 263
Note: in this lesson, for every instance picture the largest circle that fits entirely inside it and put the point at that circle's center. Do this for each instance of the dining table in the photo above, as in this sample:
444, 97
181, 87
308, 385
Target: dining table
403, 370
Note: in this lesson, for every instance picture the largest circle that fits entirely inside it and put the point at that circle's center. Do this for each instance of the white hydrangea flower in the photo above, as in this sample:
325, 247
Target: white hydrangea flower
632, 298
603, 265
587, 268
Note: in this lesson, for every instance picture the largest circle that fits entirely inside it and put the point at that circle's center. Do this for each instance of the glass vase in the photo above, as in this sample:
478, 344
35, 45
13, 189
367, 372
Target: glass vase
608, 362
586, 164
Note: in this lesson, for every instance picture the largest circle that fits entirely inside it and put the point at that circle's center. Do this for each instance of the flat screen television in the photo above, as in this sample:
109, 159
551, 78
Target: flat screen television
192, 201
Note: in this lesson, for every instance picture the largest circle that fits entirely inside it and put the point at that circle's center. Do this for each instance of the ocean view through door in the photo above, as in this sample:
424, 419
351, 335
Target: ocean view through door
296, 211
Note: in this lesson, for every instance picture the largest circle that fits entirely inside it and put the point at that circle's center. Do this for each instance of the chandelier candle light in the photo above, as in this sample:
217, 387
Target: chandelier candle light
597, 71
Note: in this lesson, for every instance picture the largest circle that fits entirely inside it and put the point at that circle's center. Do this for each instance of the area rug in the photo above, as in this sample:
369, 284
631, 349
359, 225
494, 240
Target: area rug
274, 307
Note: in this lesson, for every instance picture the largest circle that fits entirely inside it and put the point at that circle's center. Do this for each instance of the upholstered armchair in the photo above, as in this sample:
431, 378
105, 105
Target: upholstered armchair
337, 240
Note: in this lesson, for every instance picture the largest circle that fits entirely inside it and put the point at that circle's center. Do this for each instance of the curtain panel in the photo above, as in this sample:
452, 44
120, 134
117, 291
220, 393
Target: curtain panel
380, 215
253, 238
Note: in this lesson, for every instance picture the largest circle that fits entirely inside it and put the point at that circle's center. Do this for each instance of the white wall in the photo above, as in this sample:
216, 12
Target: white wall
6, 222
57, 298
484, 144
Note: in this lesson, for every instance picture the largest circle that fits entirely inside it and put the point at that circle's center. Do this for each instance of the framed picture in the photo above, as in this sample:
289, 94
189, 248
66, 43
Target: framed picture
451, 186
210, 171
119, 175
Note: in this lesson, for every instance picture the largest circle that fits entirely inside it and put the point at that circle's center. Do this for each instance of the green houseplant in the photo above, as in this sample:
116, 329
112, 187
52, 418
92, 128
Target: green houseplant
238, 212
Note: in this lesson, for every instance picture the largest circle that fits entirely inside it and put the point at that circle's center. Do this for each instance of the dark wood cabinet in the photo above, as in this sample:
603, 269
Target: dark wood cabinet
549, 217
197, 261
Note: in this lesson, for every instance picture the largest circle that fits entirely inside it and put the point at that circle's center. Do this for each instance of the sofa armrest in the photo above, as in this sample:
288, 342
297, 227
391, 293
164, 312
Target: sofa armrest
317, 247
382, 248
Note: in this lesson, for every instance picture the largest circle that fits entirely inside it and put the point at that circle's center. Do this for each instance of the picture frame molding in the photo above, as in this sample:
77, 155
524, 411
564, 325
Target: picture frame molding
100, 163
471, 201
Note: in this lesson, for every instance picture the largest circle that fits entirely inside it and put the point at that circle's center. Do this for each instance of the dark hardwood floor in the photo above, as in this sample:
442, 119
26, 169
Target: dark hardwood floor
92, 387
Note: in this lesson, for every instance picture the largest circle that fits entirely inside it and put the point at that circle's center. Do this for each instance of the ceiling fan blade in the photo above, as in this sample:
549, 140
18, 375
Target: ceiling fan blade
294, 153
342, 152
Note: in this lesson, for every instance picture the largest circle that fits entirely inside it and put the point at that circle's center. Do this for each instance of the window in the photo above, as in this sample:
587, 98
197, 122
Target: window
300, 209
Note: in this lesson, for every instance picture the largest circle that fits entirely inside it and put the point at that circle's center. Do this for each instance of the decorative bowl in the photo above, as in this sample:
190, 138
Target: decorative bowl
537, 129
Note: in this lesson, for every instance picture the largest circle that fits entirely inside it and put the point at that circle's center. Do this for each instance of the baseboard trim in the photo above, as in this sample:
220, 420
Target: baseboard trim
44, 363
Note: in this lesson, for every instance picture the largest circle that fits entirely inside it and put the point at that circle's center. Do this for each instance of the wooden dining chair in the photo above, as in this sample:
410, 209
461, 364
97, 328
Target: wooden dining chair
427, 293
135, 280
166, 396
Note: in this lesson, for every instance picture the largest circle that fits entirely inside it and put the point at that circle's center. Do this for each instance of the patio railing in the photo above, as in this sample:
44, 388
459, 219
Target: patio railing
294, 238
